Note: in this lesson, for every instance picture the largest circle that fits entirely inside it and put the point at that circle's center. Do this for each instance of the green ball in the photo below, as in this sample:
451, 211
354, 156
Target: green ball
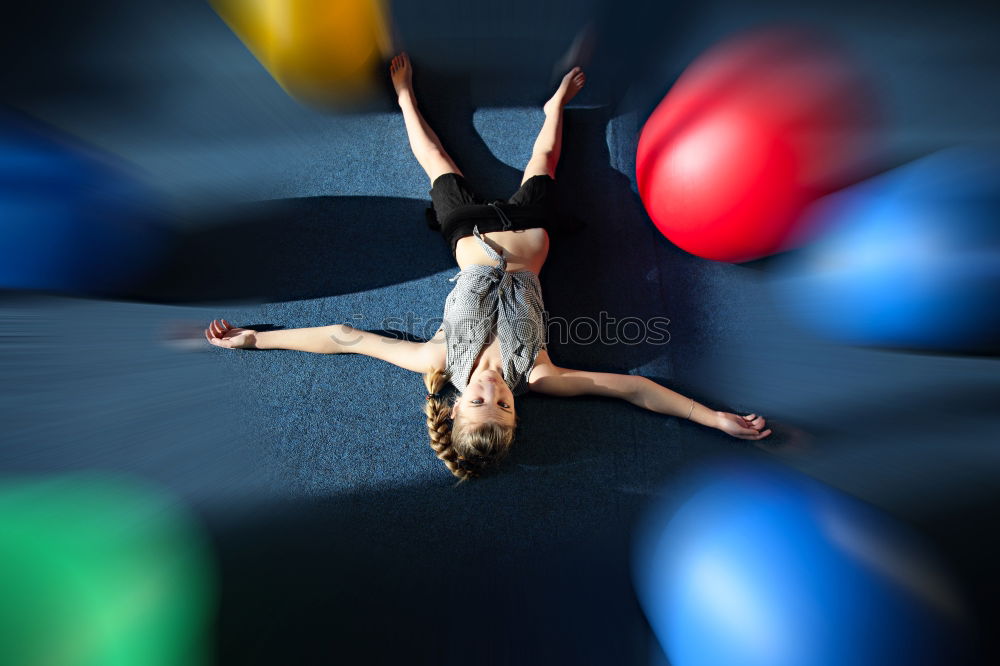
101, 571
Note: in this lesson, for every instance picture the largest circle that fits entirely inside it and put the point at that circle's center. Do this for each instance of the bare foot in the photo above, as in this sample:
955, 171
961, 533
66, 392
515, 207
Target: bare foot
571, 84
402, 74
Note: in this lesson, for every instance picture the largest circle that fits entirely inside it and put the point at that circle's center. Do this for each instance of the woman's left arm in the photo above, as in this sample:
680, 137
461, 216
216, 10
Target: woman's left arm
553, 380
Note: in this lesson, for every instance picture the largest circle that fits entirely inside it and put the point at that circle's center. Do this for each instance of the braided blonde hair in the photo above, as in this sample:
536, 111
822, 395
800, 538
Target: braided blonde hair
466, 451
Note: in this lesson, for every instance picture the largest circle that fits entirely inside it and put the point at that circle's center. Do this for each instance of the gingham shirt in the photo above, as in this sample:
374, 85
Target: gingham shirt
488, 299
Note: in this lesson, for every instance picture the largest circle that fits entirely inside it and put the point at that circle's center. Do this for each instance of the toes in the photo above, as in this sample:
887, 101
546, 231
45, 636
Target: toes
399, 62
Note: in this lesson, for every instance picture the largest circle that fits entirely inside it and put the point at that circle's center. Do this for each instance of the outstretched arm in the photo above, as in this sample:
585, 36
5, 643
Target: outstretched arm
335, 339
642, 392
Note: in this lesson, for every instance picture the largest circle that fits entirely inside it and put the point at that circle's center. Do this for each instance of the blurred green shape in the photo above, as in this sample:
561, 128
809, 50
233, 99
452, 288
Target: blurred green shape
100, 571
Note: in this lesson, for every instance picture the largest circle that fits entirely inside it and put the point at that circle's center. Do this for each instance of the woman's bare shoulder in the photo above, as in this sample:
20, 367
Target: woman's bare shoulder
435, 350
543, 367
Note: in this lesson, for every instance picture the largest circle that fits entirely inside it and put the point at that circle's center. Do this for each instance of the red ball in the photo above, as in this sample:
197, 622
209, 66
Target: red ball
752, 133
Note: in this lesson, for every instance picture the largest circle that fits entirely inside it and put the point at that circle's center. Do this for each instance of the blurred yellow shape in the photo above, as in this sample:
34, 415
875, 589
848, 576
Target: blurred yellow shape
322, 52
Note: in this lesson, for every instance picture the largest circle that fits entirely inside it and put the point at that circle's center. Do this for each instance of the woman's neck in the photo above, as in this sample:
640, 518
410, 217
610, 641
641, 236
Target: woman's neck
489, 358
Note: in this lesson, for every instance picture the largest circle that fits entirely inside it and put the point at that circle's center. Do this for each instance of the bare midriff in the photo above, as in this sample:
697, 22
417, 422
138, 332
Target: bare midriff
525, 250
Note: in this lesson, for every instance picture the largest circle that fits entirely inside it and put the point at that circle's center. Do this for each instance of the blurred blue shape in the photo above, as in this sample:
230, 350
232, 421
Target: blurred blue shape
72, 220
761, 566
910, 259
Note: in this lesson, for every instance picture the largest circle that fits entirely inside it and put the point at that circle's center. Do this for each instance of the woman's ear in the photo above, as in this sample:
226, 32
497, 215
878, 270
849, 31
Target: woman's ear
454, 411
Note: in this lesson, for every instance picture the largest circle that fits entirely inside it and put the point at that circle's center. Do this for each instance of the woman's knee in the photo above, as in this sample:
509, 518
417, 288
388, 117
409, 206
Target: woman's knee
540, 164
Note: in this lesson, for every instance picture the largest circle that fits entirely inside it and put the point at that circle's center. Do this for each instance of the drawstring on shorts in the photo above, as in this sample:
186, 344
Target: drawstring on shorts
507, 224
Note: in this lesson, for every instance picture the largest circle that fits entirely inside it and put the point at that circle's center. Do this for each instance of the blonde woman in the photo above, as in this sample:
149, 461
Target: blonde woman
491, 345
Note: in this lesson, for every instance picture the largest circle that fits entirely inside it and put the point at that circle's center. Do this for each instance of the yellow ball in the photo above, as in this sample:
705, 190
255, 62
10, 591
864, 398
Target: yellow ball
322, 52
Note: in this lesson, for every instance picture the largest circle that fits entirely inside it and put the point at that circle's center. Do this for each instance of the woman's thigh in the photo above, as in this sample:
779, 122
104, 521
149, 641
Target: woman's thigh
450, 191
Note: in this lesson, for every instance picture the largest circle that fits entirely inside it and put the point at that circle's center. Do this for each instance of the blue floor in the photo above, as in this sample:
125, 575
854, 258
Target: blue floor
336, 531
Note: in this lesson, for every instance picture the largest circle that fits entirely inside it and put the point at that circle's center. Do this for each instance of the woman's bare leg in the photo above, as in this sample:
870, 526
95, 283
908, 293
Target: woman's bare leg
424, 142
545, 154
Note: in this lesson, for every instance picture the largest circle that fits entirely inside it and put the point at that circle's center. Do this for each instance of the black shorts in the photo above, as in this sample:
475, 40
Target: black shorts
456, 209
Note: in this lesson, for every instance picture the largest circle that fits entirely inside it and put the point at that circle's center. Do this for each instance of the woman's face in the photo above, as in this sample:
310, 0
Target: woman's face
486, 398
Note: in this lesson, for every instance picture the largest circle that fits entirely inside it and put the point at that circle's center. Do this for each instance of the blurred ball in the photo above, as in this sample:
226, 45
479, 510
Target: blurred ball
761, 566
751, 133
71, 220
910, 259
95, 570
322, 52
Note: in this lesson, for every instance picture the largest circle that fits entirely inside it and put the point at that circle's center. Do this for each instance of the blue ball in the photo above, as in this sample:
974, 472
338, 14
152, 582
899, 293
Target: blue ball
761, 566
910, 259
72, 220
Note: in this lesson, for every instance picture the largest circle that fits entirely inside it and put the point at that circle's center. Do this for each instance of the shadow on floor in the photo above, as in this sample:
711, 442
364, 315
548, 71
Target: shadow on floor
298, 249
422, 576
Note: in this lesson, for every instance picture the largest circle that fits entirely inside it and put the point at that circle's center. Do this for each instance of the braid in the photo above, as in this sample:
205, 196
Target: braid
438, 427
467, 451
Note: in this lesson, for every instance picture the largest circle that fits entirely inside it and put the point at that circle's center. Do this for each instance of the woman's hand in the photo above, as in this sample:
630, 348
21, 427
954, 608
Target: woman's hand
750, 426
222, 334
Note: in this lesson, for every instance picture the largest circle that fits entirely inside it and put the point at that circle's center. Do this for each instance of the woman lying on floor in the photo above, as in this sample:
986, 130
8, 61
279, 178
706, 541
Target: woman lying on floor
491, 345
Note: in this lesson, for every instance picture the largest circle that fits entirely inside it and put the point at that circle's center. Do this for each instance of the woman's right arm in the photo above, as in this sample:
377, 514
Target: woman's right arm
335, 339
317, 339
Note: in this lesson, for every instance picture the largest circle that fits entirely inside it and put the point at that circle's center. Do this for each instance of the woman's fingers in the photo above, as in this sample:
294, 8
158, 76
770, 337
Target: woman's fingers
217, 330
754, 421
218, 342
219, 327
750, 426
